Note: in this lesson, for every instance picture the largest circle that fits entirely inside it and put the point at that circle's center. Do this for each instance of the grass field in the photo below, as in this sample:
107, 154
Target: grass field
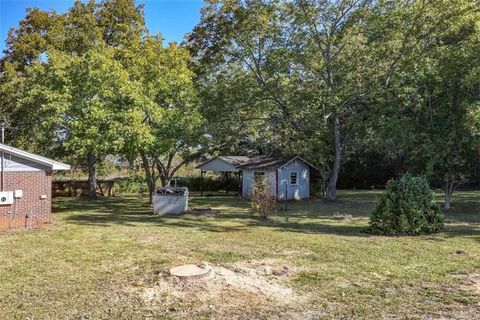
109, 258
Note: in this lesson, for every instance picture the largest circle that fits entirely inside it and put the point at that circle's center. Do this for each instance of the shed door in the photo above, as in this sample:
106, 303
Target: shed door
257, 178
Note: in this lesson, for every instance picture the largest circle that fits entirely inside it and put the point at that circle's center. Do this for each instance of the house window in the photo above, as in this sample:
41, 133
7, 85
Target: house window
293, 178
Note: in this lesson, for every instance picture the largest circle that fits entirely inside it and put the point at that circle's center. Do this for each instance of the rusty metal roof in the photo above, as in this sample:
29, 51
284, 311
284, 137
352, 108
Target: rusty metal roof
265, 162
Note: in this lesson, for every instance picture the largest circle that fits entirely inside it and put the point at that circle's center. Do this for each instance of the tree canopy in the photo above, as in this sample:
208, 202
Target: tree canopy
92, 82
366, 90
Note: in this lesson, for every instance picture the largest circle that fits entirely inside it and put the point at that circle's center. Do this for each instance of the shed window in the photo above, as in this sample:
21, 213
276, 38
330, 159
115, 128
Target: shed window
293, 177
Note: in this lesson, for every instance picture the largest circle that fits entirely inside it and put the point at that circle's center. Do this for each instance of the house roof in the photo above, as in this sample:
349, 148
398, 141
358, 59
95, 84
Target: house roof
235, 160
232, 160
54, 165
256, 162
264, 162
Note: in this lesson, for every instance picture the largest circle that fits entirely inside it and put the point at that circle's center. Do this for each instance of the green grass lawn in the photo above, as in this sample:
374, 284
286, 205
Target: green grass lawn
100, 257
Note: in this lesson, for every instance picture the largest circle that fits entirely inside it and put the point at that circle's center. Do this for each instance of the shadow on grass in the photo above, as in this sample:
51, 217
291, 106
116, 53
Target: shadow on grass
132, 211
310, 217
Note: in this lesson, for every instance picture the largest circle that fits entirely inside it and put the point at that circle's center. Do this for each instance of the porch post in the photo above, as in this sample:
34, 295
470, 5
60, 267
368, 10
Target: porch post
226, 182
201, 183
239, 177
240, 181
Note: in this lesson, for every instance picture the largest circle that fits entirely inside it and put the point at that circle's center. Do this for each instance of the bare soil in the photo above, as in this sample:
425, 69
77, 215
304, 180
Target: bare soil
260, 280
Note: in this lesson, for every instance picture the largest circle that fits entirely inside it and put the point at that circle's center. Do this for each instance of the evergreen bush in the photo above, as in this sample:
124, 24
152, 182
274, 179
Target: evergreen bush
407, 207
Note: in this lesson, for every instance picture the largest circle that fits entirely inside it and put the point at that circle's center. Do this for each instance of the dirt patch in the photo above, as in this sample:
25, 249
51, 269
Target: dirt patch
237, 279
467, 286
460, 253
469, 282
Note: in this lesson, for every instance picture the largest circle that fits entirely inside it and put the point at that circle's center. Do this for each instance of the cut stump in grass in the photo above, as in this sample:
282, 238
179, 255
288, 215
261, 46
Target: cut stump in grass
342, 216
189, 271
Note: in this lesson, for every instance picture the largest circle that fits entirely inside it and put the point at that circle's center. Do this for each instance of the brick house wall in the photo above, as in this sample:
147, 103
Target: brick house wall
32, 210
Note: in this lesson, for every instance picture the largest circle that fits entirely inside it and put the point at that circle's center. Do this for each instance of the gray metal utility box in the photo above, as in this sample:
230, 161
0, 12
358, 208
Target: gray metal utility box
170, 200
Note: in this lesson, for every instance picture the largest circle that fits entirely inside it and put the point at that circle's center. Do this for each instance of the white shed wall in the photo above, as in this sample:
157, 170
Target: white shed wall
299, 191
248, 181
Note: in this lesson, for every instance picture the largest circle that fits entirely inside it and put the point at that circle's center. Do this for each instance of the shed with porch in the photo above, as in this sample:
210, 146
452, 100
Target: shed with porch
287, 177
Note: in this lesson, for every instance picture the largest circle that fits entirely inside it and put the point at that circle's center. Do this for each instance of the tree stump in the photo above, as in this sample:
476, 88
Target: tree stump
189, 271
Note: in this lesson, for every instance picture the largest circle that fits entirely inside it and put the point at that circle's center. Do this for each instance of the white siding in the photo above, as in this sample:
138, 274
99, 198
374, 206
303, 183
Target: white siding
13, 163
248, 181
299, 191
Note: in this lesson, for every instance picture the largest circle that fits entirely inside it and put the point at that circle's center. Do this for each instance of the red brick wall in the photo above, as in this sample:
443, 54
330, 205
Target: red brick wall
30, 211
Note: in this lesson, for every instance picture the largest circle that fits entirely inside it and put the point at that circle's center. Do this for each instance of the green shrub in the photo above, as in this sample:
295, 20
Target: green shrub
209, 183
134, 183
407, 207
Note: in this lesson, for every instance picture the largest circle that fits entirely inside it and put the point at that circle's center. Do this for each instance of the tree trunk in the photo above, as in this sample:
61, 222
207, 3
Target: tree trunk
164, 173
449, 187
148, 177
331, 183
92, 176
166, 179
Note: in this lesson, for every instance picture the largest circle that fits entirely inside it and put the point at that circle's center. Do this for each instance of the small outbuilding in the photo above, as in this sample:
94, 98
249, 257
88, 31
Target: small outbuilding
287, 177
25, 188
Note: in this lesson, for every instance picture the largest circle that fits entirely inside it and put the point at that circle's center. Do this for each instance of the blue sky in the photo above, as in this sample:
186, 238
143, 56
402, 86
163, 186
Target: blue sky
172, 18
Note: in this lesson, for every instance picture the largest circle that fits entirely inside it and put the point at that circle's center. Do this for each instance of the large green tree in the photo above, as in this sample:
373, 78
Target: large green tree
307, 71
336, 55
437, 94
241, 71
70, 69
93, 107
171, 115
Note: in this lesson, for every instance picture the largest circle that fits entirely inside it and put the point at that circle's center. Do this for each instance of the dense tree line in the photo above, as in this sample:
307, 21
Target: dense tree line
347, 81
361, 88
